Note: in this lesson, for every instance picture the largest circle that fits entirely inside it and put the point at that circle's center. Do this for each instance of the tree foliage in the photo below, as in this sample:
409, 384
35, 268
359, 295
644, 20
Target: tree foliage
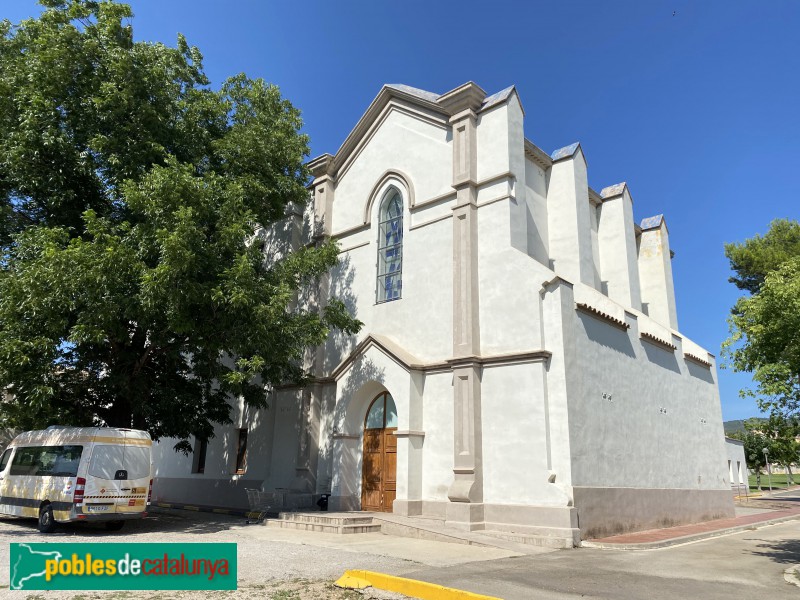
764, 325
755, 258
777, 434
129, 192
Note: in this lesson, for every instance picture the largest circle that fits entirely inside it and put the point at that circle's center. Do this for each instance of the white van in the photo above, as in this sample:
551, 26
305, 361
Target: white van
64, 474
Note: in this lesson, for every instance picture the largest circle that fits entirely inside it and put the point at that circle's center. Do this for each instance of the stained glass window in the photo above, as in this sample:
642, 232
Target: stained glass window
390, 247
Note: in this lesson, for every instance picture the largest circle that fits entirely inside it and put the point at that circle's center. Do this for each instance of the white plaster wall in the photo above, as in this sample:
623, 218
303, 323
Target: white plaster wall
536, 199
736, 462
494, 137
285, 439
515, 468
509, 283
427, 285
569, 221
403, 142
437, 449
655, 274
628, 441
619, 268
220, 453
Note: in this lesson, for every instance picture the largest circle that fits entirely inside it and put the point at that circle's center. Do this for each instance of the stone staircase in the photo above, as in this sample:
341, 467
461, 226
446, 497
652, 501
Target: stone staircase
326, 522
413, 527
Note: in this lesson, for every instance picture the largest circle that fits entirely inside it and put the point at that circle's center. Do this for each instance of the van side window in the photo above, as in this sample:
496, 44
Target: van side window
55, 461
4, 459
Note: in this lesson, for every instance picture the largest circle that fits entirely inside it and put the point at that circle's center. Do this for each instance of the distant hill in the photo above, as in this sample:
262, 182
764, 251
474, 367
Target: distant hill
732, 426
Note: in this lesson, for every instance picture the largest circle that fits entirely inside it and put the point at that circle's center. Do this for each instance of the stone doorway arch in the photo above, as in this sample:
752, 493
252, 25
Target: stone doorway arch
379, 455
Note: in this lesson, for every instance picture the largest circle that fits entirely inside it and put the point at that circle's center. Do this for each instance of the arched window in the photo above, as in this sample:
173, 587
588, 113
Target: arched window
382, 412
390, 247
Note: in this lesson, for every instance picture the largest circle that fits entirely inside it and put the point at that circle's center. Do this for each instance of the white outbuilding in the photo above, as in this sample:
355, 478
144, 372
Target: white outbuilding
520, 367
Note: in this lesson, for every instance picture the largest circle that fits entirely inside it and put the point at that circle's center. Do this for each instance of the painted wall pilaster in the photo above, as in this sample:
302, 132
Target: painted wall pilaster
467, 483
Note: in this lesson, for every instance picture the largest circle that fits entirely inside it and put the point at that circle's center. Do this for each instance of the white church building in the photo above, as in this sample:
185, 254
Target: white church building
520, 367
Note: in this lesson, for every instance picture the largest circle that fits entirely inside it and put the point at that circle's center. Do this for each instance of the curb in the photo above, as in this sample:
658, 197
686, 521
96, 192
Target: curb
685, 539
234, 512
357, 579
792, 575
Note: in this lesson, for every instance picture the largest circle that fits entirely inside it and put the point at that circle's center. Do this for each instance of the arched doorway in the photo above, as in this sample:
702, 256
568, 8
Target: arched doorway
379, 465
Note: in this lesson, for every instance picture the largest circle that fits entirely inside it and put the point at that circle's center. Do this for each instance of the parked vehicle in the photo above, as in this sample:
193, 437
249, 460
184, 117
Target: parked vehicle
64, 474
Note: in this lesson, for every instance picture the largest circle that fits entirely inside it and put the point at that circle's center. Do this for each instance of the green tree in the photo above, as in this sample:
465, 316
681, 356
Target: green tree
782, 434
753, 259
131, 292
764, 324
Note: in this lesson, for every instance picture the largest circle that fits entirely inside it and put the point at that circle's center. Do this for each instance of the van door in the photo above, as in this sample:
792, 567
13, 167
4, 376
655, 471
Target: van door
118, 477
137, 467
5, 483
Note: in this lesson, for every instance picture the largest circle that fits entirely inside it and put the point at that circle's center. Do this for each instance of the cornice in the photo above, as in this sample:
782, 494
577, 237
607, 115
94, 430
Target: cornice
411, 363
657, 341
697, 359
469, 96
592, 311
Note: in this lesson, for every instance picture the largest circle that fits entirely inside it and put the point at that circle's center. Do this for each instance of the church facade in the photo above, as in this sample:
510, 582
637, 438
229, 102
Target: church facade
520, 367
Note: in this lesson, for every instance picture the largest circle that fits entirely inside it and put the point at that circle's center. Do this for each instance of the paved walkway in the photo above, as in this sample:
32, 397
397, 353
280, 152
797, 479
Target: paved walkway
786, 507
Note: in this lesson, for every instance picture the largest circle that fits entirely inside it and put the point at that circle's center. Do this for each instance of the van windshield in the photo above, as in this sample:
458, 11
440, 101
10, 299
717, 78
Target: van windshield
107, 460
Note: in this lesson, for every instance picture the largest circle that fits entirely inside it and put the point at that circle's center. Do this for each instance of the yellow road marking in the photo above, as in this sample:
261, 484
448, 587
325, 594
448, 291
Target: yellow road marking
357, 579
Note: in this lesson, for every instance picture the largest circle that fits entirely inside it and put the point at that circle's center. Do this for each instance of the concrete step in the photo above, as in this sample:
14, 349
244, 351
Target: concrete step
322, 518
323, 528
325, 522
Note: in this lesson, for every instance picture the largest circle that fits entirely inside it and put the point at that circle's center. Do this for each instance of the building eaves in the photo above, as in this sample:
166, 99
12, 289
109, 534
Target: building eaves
407, 89
595, 197
537, 155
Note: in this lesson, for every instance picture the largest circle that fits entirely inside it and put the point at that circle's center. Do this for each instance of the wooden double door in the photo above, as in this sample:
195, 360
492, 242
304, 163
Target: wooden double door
379, 457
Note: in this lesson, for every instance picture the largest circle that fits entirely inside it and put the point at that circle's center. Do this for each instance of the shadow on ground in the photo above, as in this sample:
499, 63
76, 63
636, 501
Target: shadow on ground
157, 521
783, 552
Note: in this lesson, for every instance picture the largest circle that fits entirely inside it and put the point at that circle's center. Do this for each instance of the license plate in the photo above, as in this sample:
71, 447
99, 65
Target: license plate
98, 507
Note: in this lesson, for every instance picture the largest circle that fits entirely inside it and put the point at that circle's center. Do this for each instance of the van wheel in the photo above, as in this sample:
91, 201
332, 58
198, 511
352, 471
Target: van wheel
114, 525
47, 522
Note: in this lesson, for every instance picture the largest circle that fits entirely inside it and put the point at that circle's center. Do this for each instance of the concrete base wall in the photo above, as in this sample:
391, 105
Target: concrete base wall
546, 521
222, 493
609, 511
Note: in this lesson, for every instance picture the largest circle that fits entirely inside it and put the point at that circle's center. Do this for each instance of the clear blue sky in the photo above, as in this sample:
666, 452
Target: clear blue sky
698, 111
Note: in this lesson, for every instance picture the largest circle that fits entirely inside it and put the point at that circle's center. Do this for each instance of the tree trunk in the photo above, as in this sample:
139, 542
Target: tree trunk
758, 479
789, 477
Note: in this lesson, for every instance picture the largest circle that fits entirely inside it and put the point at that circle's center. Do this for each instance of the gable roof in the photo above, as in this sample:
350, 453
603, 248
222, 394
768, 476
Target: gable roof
435, 108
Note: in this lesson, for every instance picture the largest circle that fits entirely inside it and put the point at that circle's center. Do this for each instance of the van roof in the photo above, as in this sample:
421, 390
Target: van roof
58, 435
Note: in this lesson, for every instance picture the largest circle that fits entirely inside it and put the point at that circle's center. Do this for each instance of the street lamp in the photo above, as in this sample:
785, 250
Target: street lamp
769, 471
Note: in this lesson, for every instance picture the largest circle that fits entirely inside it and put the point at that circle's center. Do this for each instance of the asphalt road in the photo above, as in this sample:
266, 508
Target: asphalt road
750, 564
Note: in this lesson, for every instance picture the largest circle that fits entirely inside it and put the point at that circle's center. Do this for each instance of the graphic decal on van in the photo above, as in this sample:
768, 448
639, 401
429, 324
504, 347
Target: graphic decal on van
189, 566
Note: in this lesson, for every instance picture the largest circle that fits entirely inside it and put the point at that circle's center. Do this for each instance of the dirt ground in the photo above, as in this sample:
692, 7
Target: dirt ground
267, 569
